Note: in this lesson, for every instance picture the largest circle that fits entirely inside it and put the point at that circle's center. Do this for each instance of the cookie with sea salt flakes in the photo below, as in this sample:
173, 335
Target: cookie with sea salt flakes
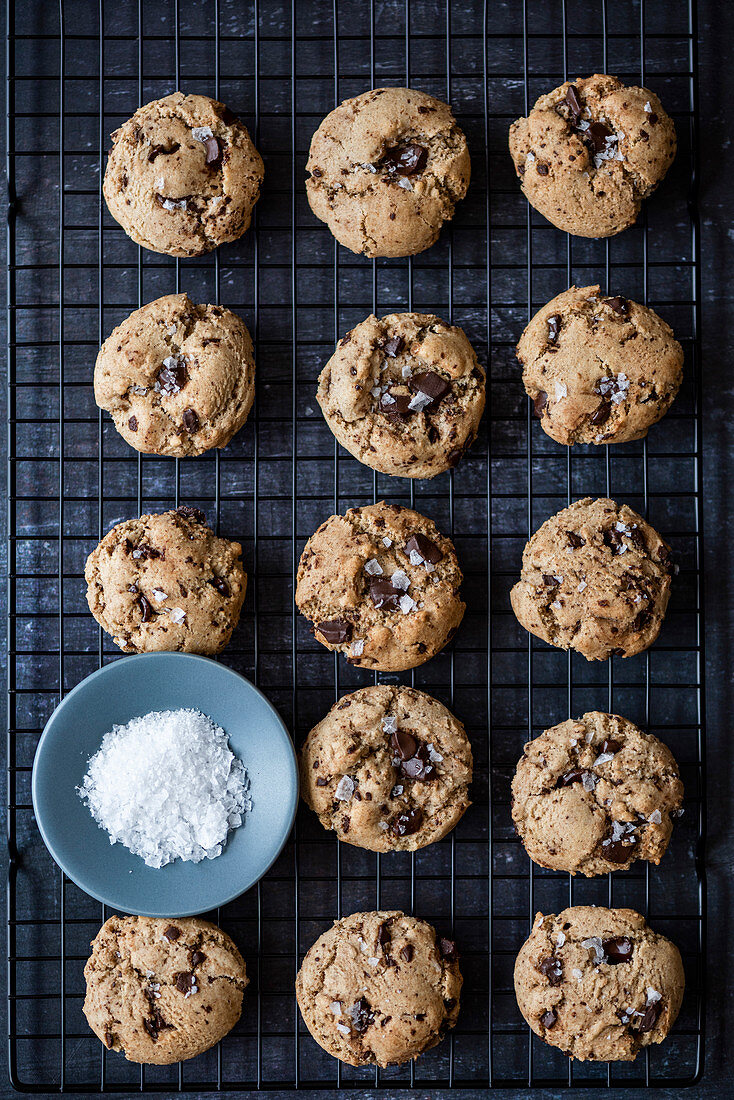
404, 394
379, 988
590, 152
161, 991
599, 369
598, 983
386, 171
388, 769
595, 578
166, 582
183, 175
177, 378
381, 585
593, 795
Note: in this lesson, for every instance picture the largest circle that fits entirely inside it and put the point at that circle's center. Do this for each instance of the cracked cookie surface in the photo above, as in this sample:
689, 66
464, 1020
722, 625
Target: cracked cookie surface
598, 983
381, 585
388, 769
590, 152
162, 991
595, 578
595, 794
183, 175
599, 369
404, 394
177, 378
379, 987
166, 582
386, 170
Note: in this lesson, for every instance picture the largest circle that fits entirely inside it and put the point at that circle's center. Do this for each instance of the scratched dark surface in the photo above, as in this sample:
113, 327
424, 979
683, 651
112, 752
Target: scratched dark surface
249, 489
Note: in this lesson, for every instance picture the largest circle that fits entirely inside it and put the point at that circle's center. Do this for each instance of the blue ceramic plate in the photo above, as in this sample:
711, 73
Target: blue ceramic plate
112, 696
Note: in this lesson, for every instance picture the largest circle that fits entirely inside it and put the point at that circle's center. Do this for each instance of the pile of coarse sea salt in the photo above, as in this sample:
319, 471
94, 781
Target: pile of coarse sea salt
167, 786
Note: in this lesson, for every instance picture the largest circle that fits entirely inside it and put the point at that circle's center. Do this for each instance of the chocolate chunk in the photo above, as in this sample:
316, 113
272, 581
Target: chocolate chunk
172, 933
229, 118
613, 539
574, 103
155, 1024
383, 934
419, 766
133, 423
404, 160
617, 950
146, 553
454, 457
362, 1015
539, 404
321, 782
554, 327
601, 413
616, 851
573, 776
162, 151
542, 169
448, 950
335, 631
397, 409
432, 385
597, 137
651, 1017
185, 982
403, 744
190, 420
393, 346
619, 305
652, 118
109, 1038
197, 958
408, 823
172, 377
548, 1019
641, 620
188, 512
610, 745
221, 585
550, 580
383, 595
213, 150
422, 545
552, 969
407, 952
145, 608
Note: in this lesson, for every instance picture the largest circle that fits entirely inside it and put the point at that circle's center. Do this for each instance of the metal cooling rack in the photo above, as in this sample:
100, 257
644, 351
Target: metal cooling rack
74, 73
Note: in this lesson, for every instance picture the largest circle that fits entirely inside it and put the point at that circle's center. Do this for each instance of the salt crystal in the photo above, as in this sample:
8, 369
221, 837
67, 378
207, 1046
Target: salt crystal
383, 825
386, 541
560, 939
652, 995
415, 558
400, 580
419, 402
388, 399
389, 723
556, 605
177, 614
582, 586
588, 781
602, 758
561, 390
578, 975
140, 390
167, 786
655, 817
406, 371
648, 107
405, 183
430, 567
343, 1029
530, 158
159, 595
373, 568
406, 604
173, 204
202, 133
433, 756
344, 789
336, 1007
594, 943
357, 648
372, 960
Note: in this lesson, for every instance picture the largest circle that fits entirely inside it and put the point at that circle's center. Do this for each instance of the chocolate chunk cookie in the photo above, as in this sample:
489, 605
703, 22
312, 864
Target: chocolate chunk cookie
166, 582
162, 991
379, 988
404, 394
381, 585
595, 578
177, 378
599, 369
387, 769
594, 795
183, 175
598, 983
386, 169
590, 151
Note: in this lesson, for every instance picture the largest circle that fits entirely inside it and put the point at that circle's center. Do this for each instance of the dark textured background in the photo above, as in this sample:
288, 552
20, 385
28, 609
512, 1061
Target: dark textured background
716, 24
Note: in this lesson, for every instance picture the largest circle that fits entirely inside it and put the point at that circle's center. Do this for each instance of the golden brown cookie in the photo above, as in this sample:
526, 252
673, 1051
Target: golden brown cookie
599, 369
598, 983
166, 582
590, 152
387, 769
386, 170
379, 987
593, 795
404, 394
381, 585
162, 991
177, 378
595, 578
183, 175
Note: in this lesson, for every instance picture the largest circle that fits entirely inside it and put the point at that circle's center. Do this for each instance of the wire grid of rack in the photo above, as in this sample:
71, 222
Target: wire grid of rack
76, 72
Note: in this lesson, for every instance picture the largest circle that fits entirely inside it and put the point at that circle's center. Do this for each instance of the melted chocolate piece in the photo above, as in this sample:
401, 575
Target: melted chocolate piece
552, 969
172, 378
383, 595
610, 745
596, 137
185, 982
419, 766
425, 547
617, 950
404, 160
407, 823
575, 540
432, 385
447, 949
554, 327
397, 409
619, 305
651, 1017
616, 851
403, 744
188, 512
601, 413
145, 608
172, 933
190, 421
162, 151
573, 776
574, 103
133, 423
335, 632
393, 346
362, 1015
407, 952
548, 1019
213, 150
539, 404
221, 585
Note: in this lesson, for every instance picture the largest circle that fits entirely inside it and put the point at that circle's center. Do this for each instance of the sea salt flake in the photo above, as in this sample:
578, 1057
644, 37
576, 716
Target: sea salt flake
433, 756
202, 133
177, 615
655, 817
388, 399
653, 996
648, 107
405, 184
560, 939
343, 1029
344, 789
382, 825
415, 558
602, 758
561, 390
375, 391
406, 371
406, 604
419, 402
167, 786
556, 605
588, 781
400, 580
140, 390
582, 586
174, 204
530, 158
389, 723
357, 648
386, 541
594, 944
373, 961
159, 595
578, 974
336, 1007
373, 568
